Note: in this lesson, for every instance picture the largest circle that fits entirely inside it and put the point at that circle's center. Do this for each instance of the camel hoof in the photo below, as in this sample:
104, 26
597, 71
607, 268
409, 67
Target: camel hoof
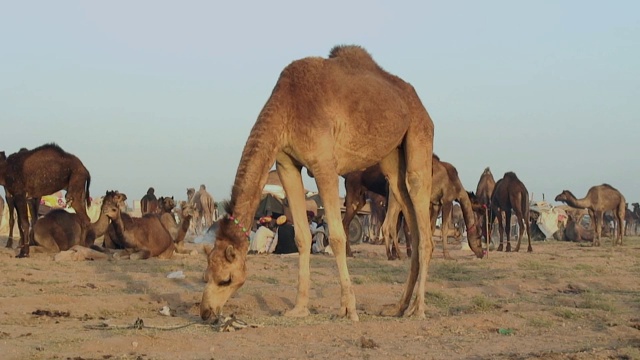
22, 255
448, 257
499, 248
530, 249
297, 312
391, 311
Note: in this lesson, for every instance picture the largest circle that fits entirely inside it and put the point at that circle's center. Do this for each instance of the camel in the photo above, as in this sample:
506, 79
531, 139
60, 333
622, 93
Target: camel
573, 231
446, 189
143, 237
60, 230
177, 231
44, 170
630, 221
205, 206
511, 194
331, 116
636, 212
599, 199
149, 202
483, 193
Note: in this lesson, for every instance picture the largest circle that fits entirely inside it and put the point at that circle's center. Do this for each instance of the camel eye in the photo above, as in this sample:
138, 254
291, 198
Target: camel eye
225, 282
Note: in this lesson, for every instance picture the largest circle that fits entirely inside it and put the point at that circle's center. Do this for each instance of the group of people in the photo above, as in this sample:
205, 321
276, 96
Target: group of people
277, 236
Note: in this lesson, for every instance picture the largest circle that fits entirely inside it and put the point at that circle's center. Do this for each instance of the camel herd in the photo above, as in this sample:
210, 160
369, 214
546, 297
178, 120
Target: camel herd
339, 116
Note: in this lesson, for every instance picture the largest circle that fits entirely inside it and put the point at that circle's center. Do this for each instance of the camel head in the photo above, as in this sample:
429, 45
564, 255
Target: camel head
167, 204
226, 268
564, 196
111, 207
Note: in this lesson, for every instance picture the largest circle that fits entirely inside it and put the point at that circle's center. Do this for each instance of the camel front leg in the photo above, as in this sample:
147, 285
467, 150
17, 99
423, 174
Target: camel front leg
500, 228
23, 225
291, 179
327, 181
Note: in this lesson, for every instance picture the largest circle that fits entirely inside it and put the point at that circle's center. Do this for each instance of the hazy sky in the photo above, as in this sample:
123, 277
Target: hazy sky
164, 93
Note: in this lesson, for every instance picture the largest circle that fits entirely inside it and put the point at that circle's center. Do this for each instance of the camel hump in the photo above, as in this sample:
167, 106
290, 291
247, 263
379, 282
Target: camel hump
354, 55
510, 174
609, 186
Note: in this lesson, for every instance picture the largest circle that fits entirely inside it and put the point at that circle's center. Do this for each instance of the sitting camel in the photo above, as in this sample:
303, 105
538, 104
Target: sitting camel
177, 231
142, 237
599, 199
511, 194
59, 230
573, 231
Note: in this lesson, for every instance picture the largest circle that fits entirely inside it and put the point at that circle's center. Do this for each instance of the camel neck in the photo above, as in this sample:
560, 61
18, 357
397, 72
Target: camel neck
578, 203
101, 225
258, 157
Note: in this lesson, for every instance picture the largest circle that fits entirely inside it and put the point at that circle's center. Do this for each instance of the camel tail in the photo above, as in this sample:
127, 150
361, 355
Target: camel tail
88, 197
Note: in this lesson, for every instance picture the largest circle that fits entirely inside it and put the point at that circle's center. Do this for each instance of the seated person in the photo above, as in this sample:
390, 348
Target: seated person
286, 242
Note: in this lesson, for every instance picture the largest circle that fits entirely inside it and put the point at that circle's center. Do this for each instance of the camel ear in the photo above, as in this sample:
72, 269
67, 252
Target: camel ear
230, 253
207, 249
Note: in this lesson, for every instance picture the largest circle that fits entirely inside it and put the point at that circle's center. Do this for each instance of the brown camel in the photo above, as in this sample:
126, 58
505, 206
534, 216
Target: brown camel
636, 213
573, 231
149, 202
483, 193
142, 237
599, 199
60, 230
447, 188
511, 194
44, 170
331, 116
177, 231
630, 221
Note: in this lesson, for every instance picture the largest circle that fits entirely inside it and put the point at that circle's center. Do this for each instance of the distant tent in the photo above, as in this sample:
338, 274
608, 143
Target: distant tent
269, 205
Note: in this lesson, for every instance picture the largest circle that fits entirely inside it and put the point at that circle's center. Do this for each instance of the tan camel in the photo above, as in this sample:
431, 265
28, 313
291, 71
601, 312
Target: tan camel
484, 190
143, 237
511, 194
446, 189
205, 205
599, 199
331, 116
60, 230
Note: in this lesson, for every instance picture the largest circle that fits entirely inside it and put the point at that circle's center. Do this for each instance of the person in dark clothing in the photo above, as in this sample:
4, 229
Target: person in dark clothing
286, 237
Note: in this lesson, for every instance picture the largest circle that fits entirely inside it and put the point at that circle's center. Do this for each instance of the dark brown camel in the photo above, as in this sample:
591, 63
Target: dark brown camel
42, 171
143, 237
447, 188
332, 116
599, 199
60, 230
149, 202
630, 221
511, 194
636, 213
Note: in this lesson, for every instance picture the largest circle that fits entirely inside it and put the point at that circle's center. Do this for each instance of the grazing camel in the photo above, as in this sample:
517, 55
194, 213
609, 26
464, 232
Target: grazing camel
447, 188
599, 199
149, 202
511, 194
44, 170
143, 237
60, 230
331, 116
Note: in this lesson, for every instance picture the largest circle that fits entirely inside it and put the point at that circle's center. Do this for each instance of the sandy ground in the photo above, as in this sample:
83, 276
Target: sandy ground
563, 301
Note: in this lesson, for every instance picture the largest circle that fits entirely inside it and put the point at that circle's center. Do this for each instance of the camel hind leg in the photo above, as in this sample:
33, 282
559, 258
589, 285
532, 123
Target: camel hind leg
390, 228
447, 209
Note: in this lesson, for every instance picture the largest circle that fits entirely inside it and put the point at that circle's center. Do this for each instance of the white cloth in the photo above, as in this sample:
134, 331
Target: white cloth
261, 240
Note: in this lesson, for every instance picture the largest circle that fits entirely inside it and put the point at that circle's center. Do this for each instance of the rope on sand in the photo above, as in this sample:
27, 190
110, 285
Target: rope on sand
222, 324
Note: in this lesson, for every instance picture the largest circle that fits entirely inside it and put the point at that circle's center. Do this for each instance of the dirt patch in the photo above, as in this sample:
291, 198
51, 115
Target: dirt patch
564, 301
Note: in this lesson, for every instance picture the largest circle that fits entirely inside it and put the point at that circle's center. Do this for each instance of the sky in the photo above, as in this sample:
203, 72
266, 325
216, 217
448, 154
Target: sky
164, 93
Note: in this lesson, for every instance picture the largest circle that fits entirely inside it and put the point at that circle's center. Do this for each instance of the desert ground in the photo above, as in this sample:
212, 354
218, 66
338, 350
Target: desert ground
563, 301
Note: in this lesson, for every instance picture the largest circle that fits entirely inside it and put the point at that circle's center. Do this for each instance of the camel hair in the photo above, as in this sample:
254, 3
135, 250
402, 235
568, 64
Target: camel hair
31, 174
331, 116
599, 199
511, 194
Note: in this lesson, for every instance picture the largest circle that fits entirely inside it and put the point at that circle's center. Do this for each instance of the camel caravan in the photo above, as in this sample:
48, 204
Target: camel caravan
319, 116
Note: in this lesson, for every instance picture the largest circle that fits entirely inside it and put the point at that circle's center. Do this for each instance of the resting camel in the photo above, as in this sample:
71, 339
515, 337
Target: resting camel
447, 188
511, 194
44, 170
177, 231
149, 202
331, 116
573, 231
143, 237
60, 230
599, 199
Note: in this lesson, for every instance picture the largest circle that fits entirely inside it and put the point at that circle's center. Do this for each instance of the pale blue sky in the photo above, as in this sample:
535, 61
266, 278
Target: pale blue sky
164, 93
